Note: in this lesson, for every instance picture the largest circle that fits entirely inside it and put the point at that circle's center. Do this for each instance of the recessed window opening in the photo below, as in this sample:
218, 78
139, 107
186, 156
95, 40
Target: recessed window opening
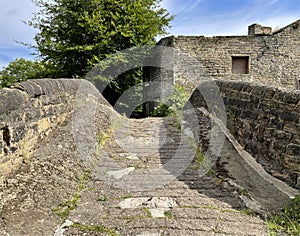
240, 65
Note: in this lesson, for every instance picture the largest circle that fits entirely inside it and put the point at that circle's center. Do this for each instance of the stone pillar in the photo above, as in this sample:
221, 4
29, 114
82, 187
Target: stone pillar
257, 29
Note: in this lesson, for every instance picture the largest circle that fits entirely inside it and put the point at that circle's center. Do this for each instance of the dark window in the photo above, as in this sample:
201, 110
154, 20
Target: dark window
240, 65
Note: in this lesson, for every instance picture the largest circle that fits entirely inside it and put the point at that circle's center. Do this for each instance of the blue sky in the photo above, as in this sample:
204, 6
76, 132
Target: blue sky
229, 17
193, 17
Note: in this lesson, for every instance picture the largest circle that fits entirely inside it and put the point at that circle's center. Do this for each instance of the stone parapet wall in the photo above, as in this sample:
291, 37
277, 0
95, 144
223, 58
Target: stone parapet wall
29, 111
266, 122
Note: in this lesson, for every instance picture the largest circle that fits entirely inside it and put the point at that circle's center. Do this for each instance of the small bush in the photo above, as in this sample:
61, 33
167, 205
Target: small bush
175, 103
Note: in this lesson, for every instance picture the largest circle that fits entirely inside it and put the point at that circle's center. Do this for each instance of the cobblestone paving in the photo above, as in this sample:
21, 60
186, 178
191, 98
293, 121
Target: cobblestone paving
60, 193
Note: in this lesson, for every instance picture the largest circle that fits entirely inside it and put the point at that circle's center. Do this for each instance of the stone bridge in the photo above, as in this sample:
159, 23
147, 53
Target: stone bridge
71, 165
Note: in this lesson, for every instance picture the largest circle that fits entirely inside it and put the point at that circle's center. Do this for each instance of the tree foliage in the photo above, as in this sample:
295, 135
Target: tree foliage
21, 70
74, 35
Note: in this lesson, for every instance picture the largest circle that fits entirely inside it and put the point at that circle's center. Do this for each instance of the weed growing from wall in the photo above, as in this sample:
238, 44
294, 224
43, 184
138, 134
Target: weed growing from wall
200, 161
105, 135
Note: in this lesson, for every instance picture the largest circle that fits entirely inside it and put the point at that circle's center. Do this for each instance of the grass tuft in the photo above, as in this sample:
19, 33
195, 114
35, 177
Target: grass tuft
168, 214
287, 221
64, 209
95, 228
200, 160
148, 213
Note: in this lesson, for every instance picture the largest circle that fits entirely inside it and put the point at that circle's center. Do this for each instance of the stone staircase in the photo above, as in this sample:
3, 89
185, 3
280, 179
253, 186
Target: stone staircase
136, 191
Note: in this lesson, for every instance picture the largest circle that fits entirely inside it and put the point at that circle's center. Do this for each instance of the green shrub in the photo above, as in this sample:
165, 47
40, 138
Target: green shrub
171, 106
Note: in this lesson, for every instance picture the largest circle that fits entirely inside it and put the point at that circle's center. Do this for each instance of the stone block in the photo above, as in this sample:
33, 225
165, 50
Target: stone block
292, 163
298, 183
296, 139
269, 92
293, 149
43, 125
267, 102
282, 136
11, 100
292, 97
238, 102
250, 114
258, 91
255, 101
289, 117
48, 110
31, 114
248, 88
286, 107
279, 96
291, 128
1, 143
18, 132
32, 89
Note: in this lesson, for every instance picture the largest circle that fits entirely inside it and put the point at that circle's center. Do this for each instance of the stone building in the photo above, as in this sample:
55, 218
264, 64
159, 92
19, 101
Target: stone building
264, 56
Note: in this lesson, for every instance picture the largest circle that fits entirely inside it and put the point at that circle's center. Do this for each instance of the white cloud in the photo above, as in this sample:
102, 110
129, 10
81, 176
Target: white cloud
12, 29
180, 7
194, 4
232, 20
228, 26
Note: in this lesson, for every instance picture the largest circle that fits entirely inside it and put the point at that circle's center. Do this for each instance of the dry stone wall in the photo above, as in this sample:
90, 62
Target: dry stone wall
29, 111
266, 121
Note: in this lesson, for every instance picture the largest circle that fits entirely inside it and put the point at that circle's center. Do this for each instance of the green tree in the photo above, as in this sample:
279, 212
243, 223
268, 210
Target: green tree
21, 70
77, 34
